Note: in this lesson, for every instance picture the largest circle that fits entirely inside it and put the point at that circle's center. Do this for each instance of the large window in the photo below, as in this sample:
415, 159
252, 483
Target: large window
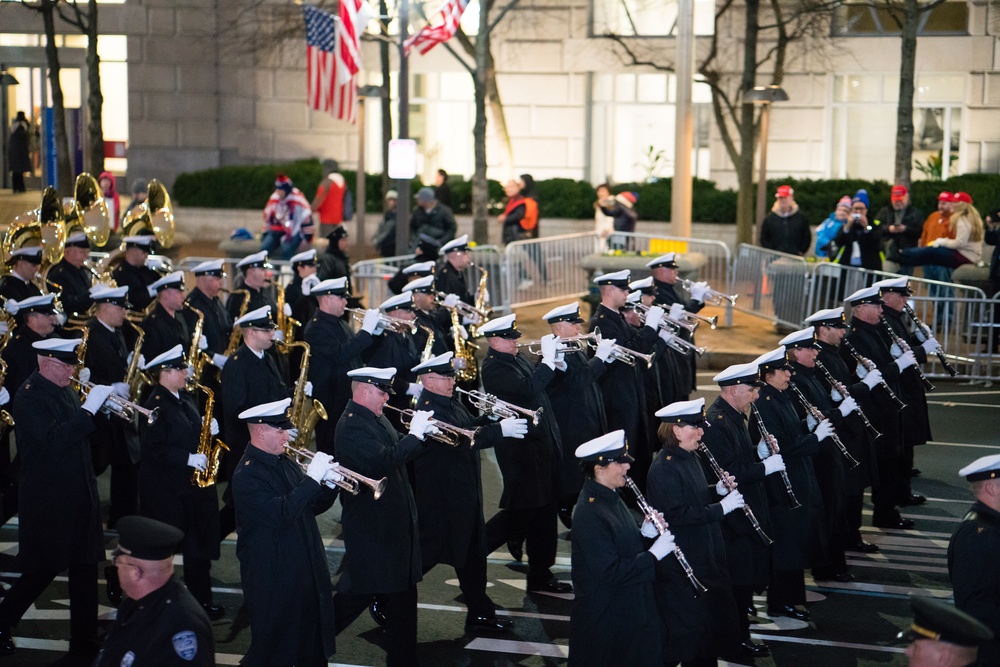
862, 19
648, 18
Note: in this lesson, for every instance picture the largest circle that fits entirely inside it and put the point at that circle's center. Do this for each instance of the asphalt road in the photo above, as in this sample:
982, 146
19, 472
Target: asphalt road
854, 623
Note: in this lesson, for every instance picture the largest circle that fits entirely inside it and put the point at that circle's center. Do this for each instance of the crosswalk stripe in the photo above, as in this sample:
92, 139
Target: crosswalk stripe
517, 647
890, 589
824, 642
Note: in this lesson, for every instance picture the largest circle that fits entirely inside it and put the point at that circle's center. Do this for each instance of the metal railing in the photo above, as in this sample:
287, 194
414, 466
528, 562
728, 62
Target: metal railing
771, 284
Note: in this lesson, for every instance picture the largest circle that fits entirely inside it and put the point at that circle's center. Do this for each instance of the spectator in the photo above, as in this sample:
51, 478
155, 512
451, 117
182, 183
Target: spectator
936, 226
965, 248
107, 182
18, 153
992, 237
288, 220
442, 191
900, 226
139, 193
622, 211
384, 240
431, 218
857, 240
785, 229
828, 229
527, 184
604, 224
518, 209
333, 201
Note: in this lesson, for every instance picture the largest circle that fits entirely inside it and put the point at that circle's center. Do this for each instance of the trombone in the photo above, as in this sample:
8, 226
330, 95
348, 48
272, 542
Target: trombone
351, 481
494, 407
393, 324
447, 433
715, 296
117, 405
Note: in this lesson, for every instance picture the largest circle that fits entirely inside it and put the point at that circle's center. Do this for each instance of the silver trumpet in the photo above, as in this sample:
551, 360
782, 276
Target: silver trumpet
712, 322
583, 342
464, 309
567, 344
494, 407
117, 405
677, 343
447, 433
393, 324
715, 296
350, 481
666, 321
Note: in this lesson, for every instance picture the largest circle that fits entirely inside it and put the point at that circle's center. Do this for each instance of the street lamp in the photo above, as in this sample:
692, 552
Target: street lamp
6, 79
763, 96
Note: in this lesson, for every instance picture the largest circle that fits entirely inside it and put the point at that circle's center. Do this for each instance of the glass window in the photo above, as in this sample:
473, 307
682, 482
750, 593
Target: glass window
625, 88
602, 87
861, 19
857, 88
652, 88
112, 47
648, 18
939, 88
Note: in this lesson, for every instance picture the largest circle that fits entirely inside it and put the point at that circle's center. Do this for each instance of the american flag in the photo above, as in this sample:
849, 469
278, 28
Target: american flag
430, 36
333, 57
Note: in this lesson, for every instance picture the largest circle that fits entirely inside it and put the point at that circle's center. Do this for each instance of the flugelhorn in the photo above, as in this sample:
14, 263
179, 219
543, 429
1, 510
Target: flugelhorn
493, 406
350, 481
447, 433
715, 296
117, 405
393, 324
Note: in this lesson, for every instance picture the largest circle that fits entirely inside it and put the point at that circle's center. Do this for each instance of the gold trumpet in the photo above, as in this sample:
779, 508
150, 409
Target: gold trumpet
117, 405
350, 481
447, 433
495, 407
393, 324
715, 296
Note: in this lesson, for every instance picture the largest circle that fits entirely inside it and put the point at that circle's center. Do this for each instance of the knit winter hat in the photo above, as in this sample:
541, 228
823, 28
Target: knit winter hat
627, 199
282, 182
861, 196
845, 202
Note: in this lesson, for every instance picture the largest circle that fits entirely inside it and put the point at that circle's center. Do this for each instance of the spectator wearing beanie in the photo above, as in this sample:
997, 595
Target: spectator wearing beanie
431, 218
288, 222
857, 240
333, 203
900, 226
785, 228
622, 213
827, 230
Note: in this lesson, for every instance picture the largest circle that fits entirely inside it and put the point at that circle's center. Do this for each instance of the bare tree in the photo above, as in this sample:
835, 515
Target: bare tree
85, 19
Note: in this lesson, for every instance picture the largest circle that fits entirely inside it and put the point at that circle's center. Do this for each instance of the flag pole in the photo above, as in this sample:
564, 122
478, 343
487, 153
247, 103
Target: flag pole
403, 185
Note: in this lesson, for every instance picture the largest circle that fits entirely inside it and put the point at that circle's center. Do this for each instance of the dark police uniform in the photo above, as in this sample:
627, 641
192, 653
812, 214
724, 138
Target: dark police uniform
302, 306
438, 321
259, 297
399, 351
137, 279
218, 323
450, 280
13, 286
685, 382
75, 283
975, 573
164, 331
21, 359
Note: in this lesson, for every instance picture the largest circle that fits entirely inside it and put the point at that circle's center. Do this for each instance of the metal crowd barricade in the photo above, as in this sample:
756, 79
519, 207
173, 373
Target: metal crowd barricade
548, 268
771, 284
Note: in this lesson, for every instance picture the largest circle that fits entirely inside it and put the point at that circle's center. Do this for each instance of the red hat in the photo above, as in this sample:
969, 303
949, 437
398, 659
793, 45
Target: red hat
627, 198
961, 197
944, 196
898, 192
784, 191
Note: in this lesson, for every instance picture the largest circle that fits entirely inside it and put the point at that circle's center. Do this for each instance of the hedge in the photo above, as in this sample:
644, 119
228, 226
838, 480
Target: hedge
250, 186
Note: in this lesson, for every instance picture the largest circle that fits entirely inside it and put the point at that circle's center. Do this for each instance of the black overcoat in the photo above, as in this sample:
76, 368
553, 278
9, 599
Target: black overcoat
75, 284
163, 332
438, 321
975, 573
12, 286
450, 280
868, 341
114, 441
218, 324
916, 421
137, 279
666, 296
21, 358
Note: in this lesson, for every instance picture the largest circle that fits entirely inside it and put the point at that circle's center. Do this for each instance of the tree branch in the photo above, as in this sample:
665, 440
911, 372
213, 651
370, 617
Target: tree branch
634, 58
503, 12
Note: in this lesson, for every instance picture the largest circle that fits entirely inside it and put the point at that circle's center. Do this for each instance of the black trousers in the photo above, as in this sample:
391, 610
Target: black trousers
17, 181
400, 621
905, 473
198, 578
472, 582
743, 596
787, 587
82, 602
537, 526
124, 490
853, 504
886, 493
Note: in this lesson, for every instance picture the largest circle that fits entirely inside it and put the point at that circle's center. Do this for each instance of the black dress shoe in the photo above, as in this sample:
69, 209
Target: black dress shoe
488, 623
840, 577
751, 610
863, 547
566, 516
899, 524
377, 611
915, 472
551, 586
515, 549
913, 499
214, 611
799, 613
752, 649
6, 642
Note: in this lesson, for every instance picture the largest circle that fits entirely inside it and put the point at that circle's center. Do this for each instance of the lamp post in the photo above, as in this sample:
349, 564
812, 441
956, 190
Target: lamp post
6, 79
364, 92
763, 96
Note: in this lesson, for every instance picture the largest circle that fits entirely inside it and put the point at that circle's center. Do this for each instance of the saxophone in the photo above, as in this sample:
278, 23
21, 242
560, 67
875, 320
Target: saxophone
465, 351
427, 352
236, 336
4, 415
303, 421
196, 358
211, 447
482, 302
134, 376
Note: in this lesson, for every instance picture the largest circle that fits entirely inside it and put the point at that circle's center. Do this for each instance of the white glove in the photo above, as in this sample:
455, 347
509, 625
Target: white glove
450, 301
774, 464
202, 343
811, 422
190, 372
721, 488
862, 372
663, 545
370, 321
278, 335
308, 389
293, 434
332, 475
414, 389
308, 283
733, 501
698, 291
604, 349
676, 311
648, 529
463, 333
835, 396
198, 461
665, 335
905, 361
514, 427
872, 378
3, 327
60, 318
214, 426
287, 309
121, 389
219, 360
763, 451
848, 406
319, 466
96, 397
468, 320
931, 345
895, 351
824, 430
85, 372
549, 346
4, 396
653, 317
420, 423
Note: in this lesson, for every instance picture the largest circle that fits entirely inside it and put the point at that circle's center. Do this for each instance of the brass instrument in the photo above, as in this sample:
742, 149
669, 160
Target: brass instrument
89, 212
388, 323
584, 342
772, 445
839, 386
135, 377
4, 414
351, 481
154, 216
661, 527
236, 335
286, 323
666, 322
117, 405
482, 301
904, 347
927, 334
712, 322
462, 308
716, 297
494, 407
721, 475
428, 350
869, 366
677, 343
304, 422
465, 351
445, 432
208, 445
818, 415
196, 358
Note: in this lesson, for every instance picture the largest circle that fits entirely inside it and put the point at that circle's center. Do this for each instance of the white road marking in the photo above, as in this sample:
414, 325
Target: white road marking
520, 648
823, 642
945, 594
952, 404
961, 444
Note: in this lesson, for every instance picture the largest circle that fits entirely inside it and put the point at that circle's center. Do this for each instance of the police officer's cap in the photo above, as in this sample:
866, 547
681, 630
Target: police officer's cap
746, 374
684, 412
423, 285
101, 293
829, 317
172, 358
501, 327
63, 349
899, 285
801, 338
78, 240
865, 295
258, 319
212, 267
331, 286
307, 258
440, 364
274, 414
146, 539
173, 280
256, 260
140, 241
772, 361
402, 301
32, 254
617, 279
420, 269
44, 303
645, 285
568, 313
461, 244
668, 261
605, 449
939, 621
380, 377
986, 467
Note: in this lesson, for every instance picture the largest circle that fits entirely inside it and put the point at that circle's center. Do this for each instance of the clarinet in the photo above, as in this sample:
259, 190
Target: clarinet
928, 334
772, 444
904, 347
839, 386
661, 528
819, 416
721, 474
870, 366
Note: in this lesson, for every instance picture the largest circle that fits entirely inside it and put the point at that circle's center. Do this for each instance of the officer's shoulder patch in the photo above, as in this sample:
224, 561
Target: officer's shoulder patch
185, 644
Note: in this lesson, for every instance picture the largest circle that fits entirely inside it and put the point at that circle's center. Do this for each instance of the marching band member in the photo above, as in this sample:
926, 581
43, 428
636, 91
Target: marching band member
397, 350
19, 284
36, 320
60, 512
412, 272
255, 281
615, 620
658, 379
283, 566
133, 273
696, 628
72, 276
729, 442
336, 349
218, 322
166, 326
450, 279
297, 292
169, 455
943, 636
530, 469
381, 542
449, 492
430, 316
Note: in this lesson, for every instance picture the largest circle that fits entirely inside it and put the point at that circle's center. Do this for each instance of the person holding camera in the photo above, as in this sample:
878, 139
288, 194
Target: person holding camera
858, 239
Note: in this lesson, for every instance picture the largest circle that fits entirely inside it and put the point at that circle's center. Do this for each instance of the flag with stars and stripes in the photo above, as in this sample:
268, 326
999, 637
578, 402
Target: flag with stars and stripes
430, 36
333, 57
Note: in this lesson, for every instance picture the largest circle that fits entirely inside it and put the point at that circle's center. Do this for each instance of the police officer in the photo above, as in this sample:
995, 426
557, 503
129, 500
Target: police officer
450, 278
19, 283
36, 320
397, 349
160, 623
942, 636
133, 273
218, 323
283, 567
297, 292
614, 619
170, 454
255, 281
72, 276
166, 326
431, 318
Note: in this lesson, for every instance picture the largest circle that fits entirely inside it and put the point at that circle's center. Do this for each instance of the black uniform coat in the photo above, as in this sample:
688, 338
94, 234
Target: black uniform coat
399, 351
614, 619
107, 359
666, 296
449, 488
259, 297
166, 492
13, 286
302, 306
868, 340
167, 628
530, 467
438, 321
75, 284
218, 323
450, 280
381, 542
283, 567
975, 573
729, 441
797, 534
21, 358
60, 512
700, 627
916, 421
164, 331
137, 279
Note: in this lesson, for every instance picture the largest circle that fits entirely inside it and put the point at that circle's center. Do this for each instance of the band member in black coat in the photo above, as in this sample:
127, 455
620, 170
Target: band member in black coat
60, 512
531, 469
381, 540
696, 628
298, 292
430, 317
867, 337
283, 565
35, 319
659, 377
255, 269
412, 272
397, 349
747, 553
614, 619
450, 278
830, 330
336, 349
133, 273
74, 279
170, 455
19, 283
218, 324
166, 326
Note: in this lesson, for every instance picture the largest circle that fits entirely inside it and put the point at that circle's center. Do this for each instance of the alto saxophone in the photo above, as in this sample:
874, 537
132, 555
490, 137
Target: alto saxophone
236, 335
196, 358
303, 421
211, 447
134, 376
482, 301
465, 351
